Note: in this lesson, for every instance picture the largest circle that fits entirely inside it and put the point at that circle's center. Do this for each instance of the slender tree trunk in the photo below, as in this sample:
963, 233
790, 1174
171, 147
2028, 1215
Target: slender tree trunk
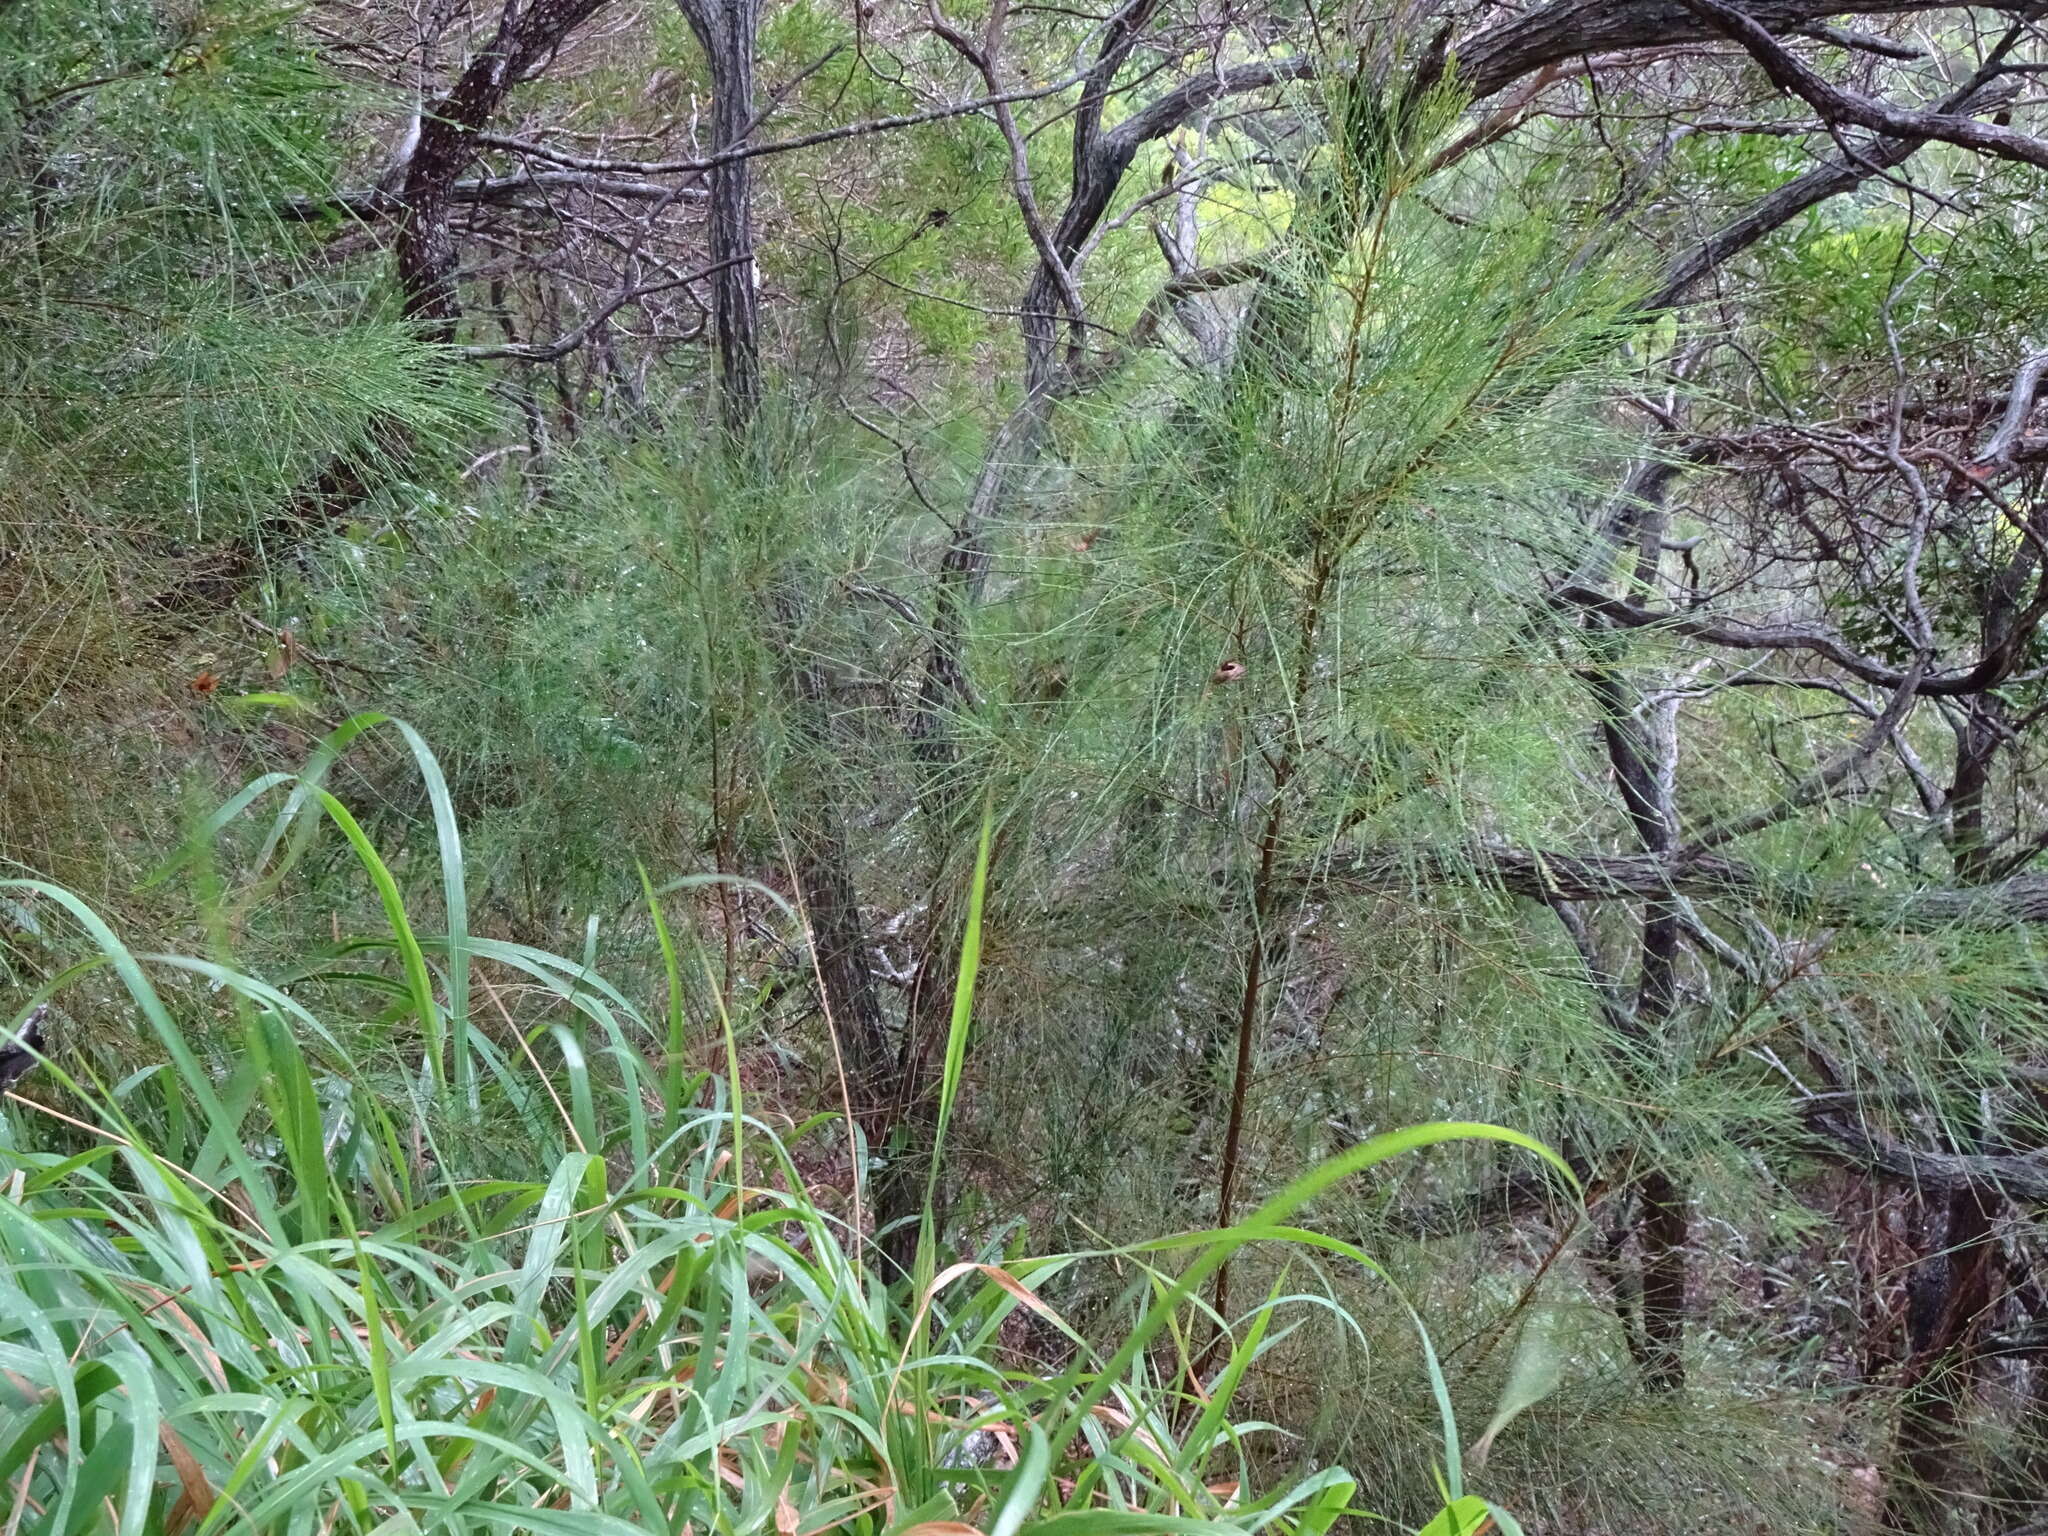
425, 265
900, 1185
822, 871
727, 31
1952, 1290
1663, 1224
831, 907
1662, 1234
1662, 1219
944, 686
1954, 1283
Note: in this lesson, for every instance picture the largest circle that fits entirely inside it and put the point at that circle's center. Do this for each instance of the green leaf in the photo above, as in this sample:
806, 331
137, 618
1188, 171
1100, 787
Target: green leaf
1536, 1371
1468, 1516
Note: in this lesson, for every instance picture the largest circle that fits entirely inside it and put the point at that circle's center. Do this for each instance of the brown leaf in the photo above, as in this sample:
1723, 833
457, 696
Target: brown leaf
195, 1493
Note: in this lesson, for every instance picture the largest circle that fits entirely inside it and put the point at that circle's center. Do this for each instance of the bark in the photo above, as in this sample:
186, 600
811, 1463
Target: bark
1495, 58
839, 940
899, 1186
1557, 875
1849, 1140
727, 30
1099, 163
1873, 157
1951, 1291
1953, 1285
839, 937
822, 869
425, 264
1663, 1223
1662, 1232
943, 687
1641, 771
426, 250
1836, 105
1776, 209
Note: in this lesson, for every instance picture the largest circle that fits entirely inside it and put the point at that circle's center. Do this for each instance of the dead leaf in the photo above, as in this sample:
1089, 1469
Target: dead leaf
195, 1494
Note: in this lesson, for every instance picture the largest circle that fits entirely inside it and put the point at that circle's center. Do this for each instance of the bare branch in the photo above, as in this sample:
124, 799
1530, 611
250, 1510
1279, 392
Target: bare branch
1822, 779
1790, 74
1554, 876
569, 341
2019, 405
2021, 1176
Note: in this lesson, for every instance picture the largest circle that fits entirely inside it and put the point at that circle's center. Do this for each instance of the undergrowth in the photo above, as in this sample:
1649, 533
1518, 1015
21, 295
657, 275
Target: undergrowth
438, 1232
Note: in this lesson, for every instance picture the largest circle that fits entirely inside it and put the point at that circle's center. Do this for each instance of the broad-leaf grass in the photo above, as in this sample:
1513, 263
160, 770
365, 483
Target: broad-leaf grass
278, 1289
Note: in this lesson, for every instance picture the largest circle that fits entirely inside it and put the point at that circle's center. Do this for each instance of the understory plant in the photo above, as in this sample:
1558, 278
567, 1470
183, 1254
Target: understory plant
438, 1232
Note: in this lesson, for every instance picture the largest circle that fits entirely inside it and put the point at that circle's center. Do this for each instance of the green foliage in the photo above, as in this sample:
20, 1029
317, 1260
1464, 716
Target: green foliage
183, 362
280, 1290
506, 1200
173, 374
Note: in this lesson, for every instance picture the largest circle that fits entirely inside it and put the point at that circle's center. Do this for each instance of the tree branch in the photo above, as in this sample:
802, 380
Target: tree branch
2020, 1176
1551, 877
1791, 75
1822, 779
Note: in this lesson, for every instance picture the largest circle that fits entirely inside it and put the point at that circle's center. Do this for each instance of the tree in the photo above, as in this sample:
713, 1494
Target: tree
1488, 560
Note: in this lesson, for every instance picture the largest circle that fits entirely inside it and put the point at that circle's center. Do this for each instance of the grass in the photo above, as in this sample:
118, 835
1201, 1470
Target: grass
537, 1277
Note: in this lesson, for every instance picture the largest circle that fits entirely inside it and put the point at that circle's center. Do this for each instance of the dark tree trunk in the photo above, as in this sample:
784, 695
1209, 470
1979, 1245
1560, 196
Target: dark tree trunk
1950, 1291
1661, 1234
822, 869
726, 30
1662, 1220
425, 265
900, 1184
1954, 1282
1663, 1224
1099, 164
839, 939
426, 255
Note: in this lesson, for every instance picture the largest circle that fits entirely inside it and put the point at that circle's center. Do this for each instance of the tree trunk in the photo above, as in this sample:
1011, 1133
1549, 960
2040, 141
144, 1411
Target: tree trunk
1951, 1290
1662, 1221
1953, 1284
425, 264
726, 29
900, 1184
1661, 1234
426, 256
822, 870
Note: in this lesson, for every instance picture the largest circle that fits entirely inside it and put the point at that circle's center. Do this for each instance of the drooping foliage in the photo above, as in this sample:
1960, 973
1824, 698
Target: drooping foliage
1157, 595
